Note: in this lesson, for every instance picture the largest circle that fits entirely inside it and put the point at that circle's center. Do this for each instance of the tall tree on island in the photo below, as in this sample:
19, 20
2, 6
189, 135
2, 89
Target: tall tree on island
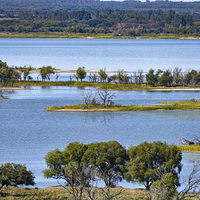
81, 73
46, 72
102, 74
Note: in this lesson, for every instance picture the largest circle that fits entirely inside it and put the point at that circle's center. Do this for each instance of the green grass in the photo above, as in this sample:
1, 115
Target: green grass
101, 85
181, 105
190, 148
111, 86
59, 193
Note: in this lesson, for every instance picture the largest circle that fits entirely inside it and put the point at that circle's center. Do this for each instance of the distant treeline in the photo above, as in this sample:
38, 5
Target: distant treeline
102, 21
167, 78
16, 6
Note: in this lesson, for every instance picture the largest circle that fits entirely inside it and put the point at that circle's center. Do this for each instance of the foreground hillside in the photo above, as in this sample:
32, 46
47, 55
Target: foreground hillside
59, 193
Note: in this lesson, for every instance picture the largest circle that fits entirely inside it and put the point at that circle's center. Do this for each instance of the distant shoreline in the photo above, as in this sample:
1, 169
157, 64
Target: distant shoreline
90, 37
175, 89
74, 71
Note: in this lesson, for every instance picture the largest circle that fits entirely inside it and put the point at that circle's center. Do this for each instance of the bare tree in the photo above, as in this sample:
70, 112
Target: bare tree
136, 80
71, 77
122, 77
192, 188
87, 98
106, 192
106, 97
186, 141
57, 76
76, 77
197, 140
177, 75
78, 180
93, 190
166, 188
140, 76
93, 77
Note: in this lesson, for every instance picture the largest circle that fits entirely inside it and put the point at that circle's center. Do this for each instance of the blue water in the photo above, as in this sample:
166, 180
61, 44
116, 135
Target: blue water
28, 132
95, 54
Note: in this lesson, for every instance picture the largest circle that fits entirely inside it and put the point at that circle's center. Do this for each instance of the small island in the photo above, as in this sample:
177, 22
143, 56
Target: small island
181, 105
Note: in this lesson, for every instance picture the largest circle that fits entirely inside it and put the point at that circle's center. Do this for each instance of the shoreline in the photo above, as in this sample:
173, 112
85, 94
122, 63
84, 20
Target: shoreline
113, 110
74, 71
175, 89
89, 85
13, 88
55, 35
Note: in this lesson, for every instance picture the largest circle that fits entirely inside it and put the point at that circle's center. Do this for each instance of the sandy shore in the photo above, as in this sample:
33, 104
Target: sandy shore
175, 89
73, 71
12, 88
84, 110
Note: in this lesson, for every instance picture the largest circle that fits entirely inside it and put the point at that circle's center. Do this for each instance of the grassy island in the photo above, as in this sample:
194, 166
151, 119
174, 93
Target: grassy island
110, 86
181, 105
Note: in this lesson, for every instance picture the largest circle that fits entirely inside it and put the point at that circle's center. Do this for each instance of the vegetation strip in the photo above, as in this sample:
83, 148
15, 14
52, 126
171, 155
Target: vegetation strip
190, 148
181, 105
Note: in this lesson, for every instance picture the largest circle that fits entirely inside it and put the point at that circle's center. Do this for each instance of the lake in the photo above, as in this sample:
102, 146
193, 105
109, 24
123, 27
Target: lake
112, 54
28, 132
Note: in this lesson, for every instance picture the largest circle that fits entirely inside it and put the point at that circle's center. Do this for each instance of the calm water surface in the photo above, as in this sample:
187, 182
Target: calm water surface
28, 132
95, 54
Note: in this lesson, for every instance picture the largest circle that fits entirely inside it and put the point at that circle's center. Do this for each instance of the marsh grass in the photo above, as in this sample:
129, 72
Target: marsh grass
190, 148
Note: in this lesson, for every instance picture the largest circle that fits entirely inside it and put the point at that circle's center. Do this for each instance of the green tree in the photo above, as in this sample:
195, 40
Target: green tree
196, 78
3, 64
122, 77
166, 78
26, 72
152, 79
109, 159
177, 76
46, 72
147, 158
81, 73
189, 77
12, 174
165, 187
113, 78
102, 74
70, 166
8, 75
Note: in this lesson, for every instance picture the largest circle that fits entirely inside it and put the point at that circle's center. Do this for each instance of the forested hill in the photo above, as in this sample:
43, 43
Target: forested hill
16, 6
92, 17
102, 21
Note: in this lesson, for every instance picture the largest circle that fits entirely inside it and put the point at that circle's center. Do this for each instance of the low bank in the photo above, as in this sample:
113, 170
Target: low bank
91, 36
181, 105
110, 86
